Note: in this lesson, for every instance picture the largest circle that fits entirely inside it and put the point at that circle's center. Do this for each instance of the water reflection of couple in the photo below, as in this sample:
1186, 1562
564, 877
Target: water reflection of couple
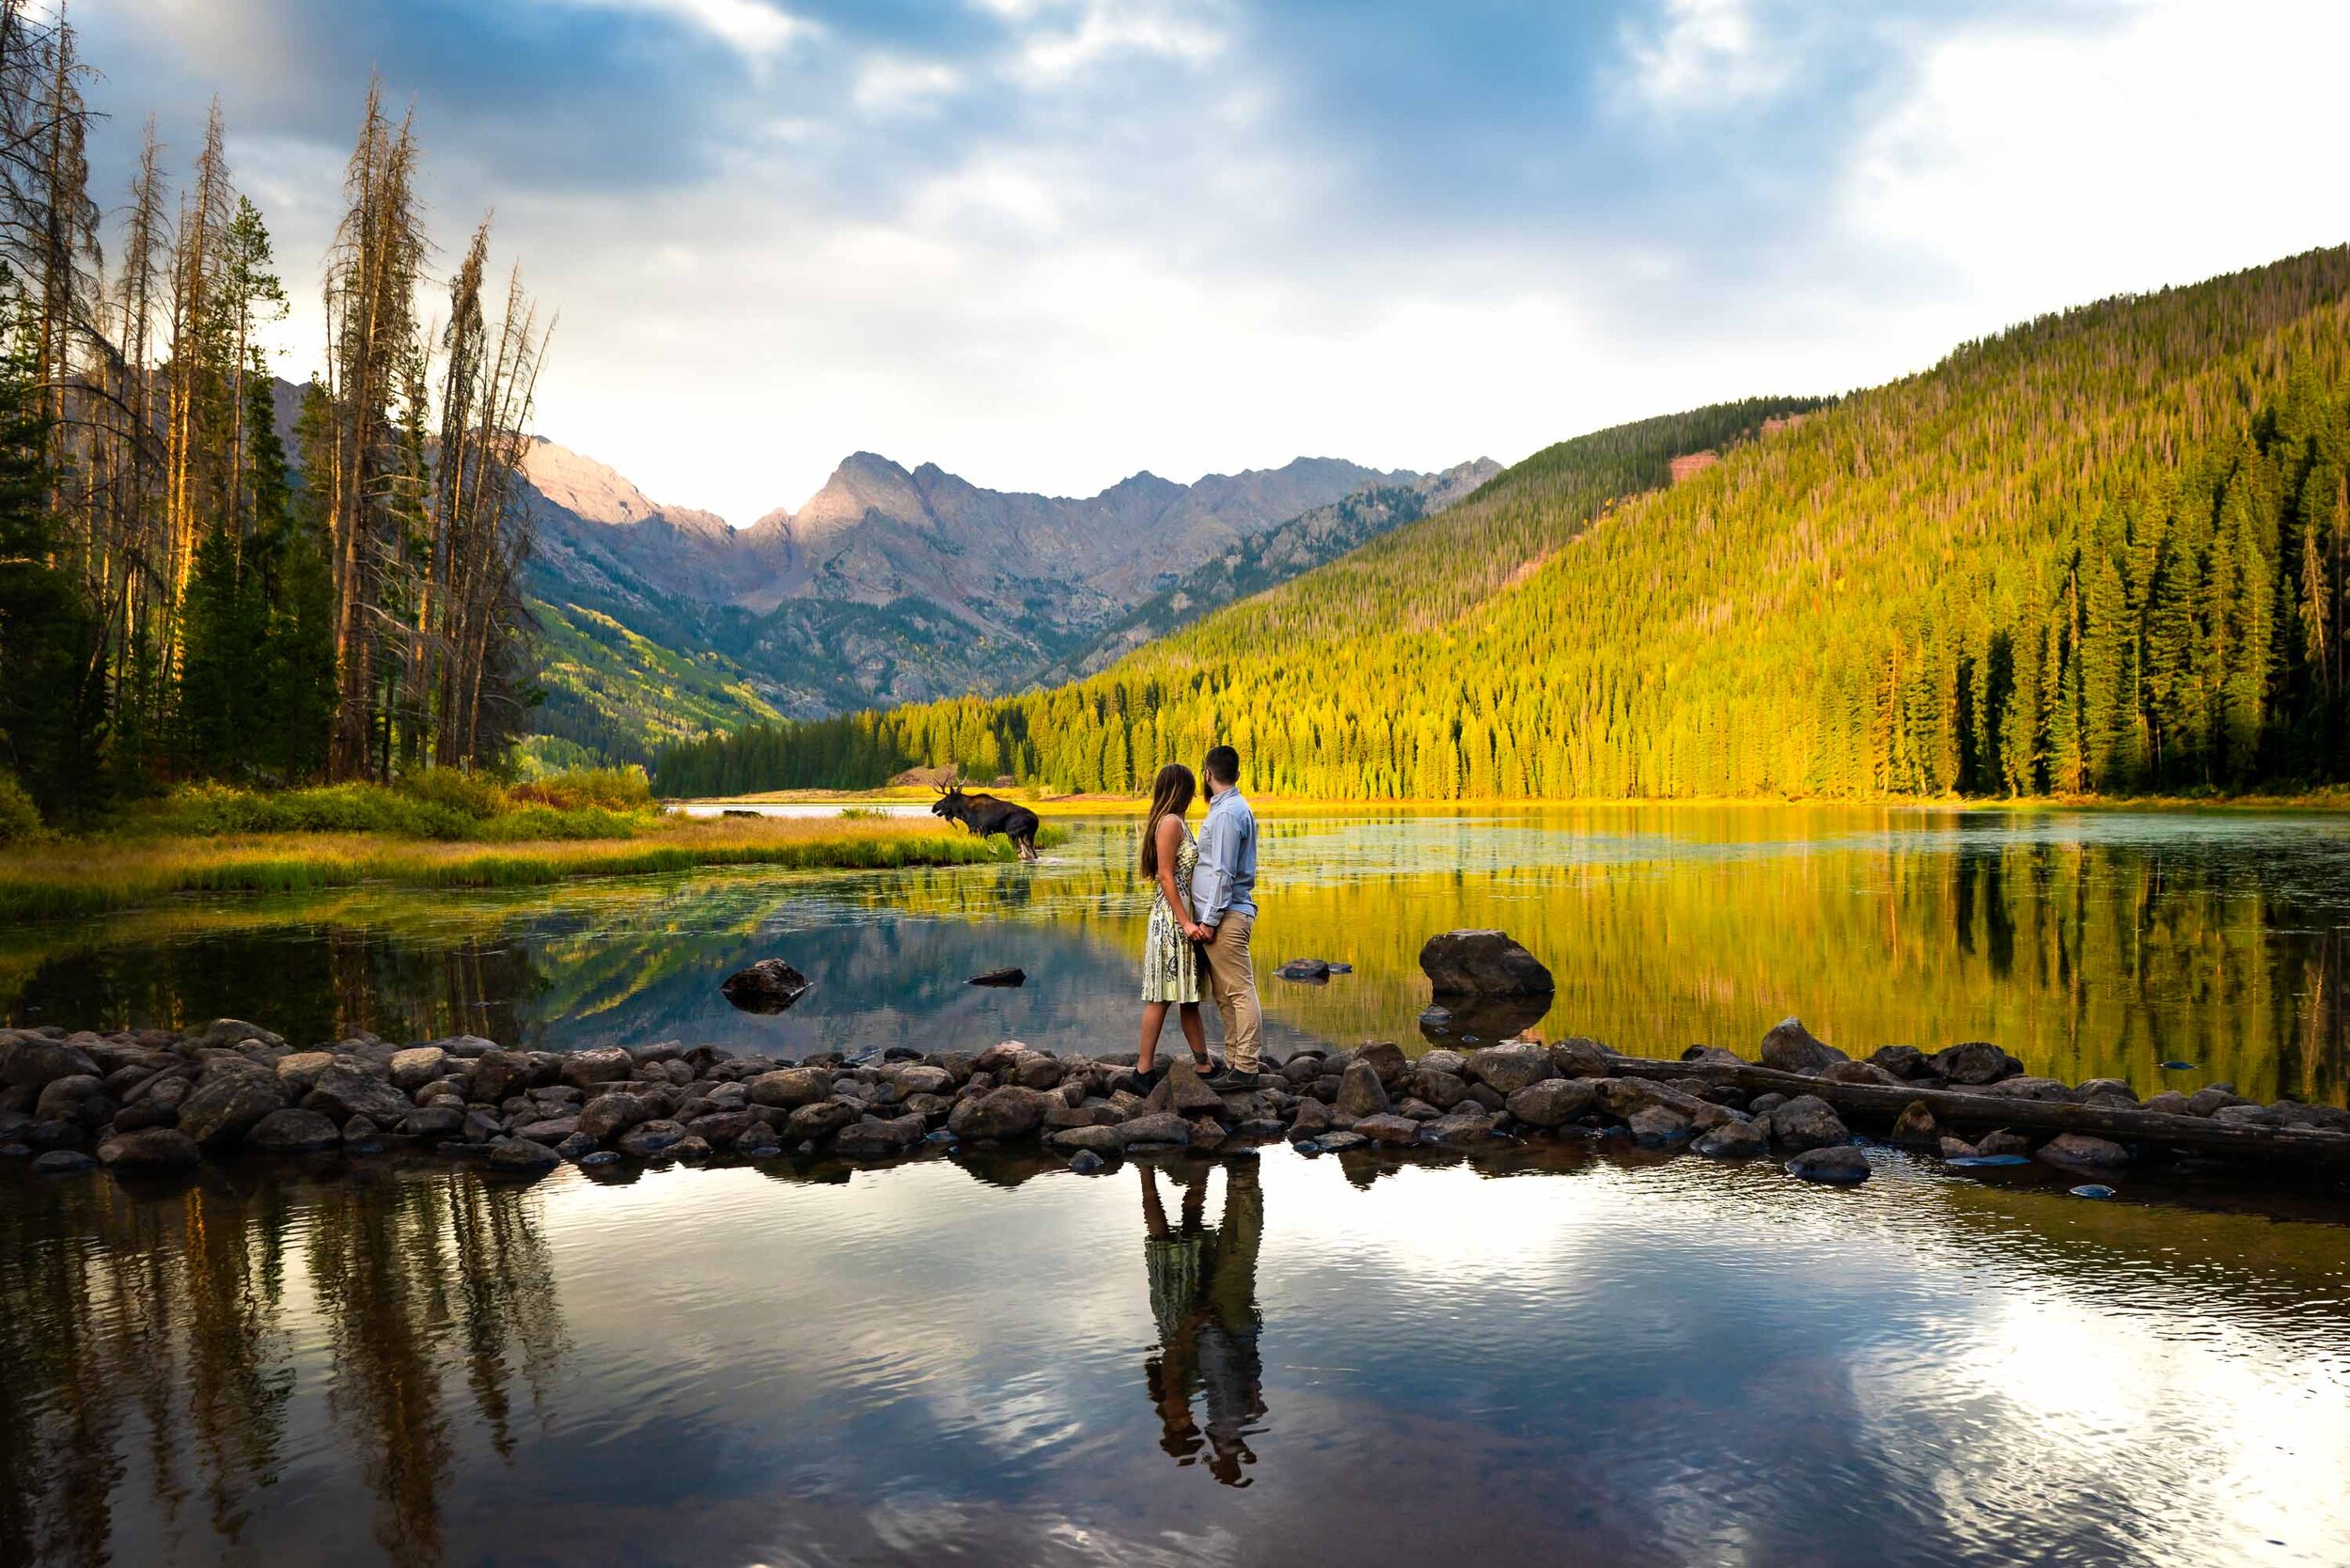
1203, 1294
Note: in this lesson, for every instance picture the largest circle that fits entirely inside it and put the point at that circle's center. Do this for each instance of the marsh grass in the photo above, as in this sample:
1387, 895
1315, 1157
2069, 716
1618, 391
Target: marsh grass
91, 876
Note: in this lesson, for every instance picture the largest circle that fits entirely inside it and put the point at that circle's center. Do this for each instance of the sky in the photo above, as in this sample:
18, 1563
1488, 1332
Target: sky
1048, 244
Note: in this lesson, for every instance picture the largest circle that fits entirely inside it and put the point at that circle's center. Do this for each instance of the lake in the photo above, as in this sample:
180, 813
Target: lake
1568, 1353
2090, 944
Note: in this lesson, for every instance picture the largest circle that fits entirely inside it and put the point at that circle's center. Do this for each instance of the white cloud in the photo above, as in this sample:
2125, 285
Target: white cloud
2032, 171
888, 83
755, 28
1706, 54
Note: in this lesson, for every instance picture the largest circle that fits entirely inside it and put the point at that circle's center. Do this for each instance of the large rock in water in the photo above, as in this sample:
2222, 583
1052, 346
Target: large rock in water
227, 1105
1007, 1113
150, 1152
1360, 1092
1483, 963
1553, 1102
1508, 1068
769, 985
1975, 1061
32, 1063
1790, 1048
292, 1132
342, 1092
600, 1064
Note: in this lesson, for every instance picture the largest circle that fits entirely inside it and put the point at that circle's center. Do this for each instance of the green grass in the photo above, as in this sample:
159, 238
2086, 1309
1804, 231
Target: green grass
94, 875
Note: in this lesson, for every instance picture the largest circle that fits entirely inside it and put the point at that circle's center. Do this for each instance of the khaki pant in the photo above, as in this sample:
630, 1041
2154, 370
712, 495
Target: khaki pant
1233, 986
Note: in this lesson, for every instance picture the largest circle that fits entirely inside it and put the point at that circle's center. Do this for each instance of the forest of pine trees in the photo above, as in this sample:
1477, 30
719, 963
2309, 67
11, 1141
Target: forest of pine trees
179, 595
2106, 552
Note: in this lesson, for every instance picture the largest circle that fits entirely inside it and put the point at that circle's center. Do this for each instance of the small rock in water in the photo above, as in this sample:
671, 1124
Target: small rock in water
1979, 1160
1338, 968
1838, 1163
1013, 976
1310, 971
2093, 1189
601, 1157
63, 1162
2178, 1067
1084, 1162
1307, 1146
769, 985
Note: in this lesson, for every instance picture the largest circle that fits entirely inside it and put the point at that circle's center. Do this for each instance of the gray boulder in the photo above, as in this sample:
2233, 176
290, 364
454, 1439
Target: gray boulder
1360, 1092
343, 1091
1483, 963
221, 1109
603, 1064
649, 1138
1553, 1102
497, 1075
156, 1151
1101, 1140
1791, 1048
788, 1088
1003, 1114
608, 1116
1974, 1061
1840, 1165
1506, 1069
1160, 1127
2080, 1151
418, 1066
1578, 1058
1655, 1127
35, 1061
1808, 1121
1733, 1140
301, 1070
1398, 1130
815, 1124
521, 1157
876, 1139
293, 1131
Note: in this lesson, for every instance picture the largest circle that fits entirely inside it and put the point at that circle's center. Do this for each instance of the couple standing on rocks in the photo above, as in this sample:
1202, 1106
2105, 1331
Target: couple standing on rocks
1202, 909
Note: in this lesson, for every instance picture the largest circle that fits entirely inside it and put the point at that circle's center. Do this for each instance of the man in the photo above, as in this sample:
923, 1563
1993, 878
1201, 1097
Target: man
1223, 900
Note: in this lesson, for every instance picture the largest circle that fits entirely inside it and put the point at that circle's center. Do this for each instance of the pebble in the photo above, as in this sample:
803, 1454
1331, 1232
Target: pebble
2093, 1189
1084, 1162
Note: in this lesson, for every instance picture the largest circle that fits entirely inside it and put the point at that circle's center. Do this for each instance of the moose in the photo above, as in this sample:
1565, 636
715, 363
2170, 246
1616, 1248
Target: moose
985, 814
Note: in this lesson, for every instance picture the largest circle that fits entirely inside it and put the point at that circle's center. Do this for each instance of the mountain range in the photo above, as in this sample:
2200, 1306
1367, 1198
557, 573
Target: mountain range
2099, 553
893, 585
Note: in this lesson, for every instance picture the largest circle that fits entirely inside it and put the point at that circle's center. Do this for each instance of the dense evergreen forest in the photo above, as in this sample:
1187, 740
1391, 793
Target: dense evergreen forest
2103, 552
179, 595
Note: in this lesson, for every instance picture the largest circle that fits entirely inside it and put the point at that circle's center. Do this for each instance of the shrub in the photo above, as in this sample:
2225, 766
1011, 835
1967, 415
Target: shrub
611, 789
20, 819
454, 789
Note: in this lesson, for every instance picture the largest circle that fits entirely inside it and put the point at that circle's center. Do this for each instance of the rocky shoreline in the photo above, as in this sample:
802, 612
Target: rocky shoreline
147, 1102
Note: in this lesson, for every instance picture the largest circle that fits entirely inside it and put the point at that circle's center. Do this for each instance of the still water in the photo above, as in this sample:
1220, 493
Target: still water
1550, 1355
2088, 944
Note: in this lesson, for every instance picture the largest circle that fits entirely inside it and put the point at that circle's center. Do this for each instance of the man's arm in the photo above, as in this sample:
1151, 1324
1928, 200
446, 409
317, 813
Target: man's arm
1216, 849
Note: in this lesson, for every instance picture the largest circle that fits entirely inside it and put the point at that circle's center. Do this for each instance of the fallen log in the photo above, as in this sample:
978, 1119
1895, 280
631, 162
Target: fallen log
2300, 1146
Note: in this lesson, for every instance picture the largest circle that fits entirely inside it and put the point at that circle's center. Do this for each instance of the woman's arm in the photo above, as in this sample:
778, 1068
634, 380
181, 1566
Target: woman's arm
1170, 840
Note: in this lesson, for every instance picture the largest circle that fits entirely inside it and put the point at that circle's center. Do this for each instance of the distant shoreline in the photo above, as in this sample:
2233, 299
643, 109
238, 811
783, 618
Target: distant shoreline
1103, 805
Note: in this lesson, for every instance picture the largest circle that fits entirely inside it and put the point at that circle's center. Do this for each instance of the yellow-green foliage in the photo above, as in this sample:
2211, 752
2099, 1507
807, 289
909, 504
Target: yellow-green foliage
436, 802
20, 819
93, 875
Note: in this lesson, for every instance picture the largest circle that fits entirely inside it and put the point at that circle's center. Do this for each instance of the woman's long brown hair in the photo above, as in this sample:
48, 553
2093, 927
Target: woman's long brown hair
1171, 792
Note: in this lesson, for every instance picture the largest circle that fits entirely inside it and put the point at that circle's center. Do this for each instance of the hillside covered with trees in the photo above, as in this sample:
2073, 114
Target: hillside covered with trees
2103, 552
181, 596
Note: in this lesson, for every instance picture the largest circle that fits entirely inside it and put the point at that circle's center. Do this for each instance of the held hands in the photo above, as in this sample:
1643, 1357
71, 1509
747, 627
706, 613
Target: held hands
1200, 932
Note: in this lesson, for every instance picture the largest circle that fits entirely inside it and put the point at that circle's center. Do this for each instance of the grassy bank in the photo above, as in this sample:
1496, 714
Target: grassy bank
300, 844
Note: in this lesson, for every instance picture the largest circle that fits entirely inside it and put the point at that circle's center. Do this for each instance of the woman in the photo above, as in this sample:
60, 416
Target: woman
1170, 963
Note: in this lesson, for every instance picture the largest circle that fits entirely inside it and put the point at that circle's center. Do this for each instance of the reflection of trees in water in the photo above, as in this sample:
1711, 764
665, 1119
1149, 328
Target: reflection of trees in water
171, 1314
2086, 958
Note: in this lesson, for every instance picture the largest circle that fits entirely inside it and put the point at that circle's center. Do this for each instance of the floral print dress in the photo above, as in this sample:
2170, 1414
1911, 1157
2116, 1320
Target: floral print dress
1171, 964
